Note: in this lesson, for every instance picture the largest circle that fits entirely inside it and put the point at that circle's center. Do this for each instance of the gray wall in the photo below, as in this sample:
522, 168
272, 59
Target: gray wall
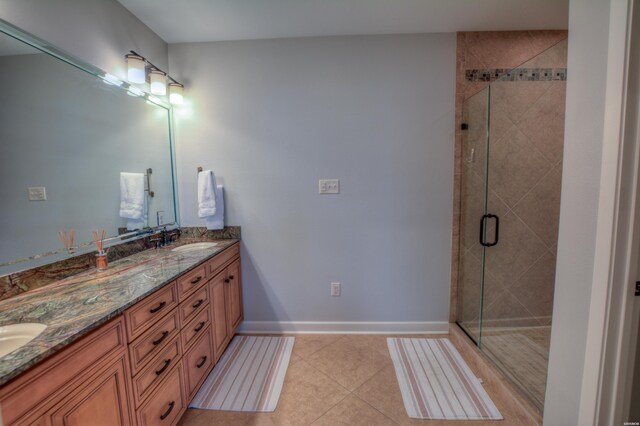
271, 117
100, 32
584, 123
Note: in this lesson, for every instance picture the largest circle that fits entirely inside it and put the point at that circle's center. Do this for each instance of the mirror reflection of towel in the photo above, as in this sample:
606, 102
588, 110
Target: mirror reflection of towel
133, 200
133, 224
131, 195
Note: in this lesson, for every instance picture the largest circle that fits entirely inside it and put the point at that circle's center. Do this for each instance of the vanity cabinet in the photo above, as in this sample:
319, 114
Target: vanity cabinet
86, 383
219, 313
226, 303
198, 361
234, 291
144, 366
102, 400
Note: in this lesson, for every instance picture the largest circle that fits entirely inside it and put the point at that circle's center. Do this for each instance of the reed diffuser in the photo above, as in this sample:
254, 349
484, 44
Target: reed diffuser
101, 257
67, 241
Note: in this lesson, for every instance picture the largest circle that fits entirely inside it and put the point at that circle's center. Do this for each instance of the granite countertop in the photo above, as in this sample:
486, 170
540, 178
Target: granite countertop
73, 307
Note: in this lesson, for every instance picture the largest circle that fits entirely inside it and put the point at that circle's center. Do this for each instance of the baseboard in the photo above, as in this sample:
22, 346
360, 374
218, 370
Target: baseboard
331, 327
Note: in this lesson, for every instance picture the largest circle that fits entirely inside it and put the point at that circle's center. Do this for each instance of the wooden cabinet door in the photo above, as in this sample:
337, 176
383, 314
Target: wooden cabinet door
218, 306
101, 400
234, 297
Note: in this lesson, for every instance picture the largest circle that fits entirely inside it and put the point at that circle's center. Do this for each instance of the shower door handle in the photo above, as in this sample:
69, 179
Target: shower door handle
483, 227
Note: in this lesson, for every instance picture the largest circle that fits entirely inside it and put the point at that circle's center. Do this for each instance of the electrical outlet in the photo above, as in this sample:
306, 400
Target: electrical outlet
329, 186
335, 289
37, 193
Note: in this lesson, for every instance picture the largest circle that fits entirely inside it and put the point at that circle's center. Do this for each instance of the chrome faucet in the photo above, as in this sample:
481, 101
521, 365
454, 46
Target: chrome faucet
166, 238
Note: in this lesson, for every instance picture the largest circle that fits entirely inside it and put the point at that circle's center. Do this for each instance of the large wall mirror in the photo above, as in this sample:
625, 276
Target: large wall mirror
68, 131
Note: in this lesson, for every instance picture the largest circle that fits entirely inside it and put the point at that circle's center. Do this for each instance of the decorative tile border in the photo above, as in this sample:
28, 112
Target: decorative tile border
517, 74
229, 232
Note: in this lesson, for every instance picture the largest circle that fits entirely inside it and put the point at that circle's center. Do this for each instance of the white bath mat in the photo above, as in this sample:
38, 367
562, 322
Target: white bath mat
436, 383
248, 377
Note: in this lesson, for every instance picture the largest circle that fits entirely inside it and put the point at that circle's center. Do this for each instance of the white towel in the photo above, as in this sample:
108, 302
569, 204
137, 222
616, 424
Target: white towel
217, 220
142, 222
132, 195
206, 194
133, 200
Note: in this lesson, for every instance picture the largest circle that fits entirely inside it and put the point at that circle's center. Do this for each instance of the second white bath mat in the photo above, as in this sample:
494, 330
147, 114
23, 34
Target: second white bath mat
436, 383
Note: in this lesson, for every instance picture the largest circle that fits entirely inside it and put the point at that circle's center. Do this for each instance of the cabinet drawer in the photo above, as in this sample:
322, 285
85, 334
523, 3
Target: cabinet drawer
195, 328
166, 403
59, 374
190, 281
220, 260
153, 341
197, 362
147, 312
145, 381
194, 304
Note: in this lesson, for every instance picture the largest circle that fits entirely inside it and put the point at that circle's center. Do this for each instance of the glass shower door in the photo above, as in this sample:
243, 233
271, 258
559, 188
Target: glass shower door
524, 180
473, 204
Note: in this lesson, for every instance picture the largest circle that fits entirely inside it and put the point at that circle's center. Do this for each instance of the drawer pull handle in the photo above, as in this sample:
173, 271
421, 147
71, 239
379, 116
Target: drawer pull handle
198, 303
204, 359
157, 308
199, 327
196, 280
230, 277
164, 336
226, 280
164, 367
165, 415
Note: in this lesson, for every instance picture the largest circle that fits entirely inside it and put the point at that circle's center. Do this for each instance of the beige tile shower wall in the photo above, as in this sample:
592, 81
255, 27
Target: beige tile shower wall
535, 110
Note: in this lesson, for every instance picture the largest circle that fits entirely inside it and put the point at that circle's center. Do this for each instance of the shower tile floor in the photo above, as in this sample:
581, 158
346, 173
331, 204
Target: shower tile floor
350, 380
522, 353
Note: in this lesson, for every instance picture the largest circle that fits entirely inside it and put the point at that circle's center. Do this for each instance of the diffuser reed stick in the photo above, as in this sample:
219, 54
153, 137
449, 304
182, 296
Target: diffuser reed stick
63, 239
101, 257
67, 241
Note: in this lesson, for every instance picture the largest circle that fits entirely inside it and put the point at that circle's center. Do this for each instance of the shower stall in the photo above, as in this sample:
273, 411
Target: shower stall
511, 168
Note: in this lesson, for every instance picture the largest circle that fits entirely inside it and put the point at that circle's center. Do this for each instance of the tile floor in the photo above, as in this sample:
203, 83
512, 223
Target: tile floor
350, 380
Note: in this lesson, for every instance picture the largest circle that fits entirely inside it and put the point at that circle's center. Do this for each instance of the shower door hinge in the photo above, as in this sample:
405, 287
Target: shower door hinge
637, 288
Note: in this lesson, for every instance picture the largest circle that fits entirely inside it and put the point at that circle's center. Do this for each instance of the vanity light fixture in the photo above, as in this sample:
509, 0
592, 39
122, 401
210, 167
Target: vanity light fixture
137, 73
135, 68
175, 93
158, 82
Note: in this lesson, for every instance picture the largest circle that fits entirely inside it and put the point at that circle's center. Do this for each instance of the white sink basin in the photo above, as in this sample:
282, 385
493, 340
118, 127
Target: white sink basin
15, 336
194, 247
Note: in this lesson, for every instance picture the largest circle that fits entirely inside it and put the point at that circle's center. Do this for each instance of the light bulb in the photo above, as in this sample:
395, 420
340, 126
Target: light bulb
135, 69
158, 82
175, 93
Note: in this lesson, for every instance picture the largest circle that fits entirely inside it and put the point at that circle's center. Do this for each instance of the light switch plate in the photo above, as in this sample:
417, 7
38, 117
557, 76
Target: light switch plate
329, 186
37, 193
335, 289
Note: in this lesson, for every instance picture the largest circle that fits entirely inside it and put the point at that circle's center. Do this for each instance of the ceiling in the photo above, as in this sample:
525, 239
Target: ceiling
213, 20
